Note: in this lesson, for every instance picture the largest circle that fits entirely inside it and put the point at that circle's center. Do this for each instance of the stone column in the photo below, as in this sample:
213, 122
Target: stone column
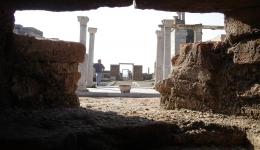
167, 47
92, 32
198, 33
83, 67
159, 57
83, 20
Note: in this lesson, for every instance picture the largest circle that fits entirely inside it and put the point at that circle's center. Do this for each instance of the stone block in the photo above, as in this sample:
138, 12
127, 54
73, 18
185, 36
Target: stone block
34, 50
238, 31
138, 73
246, 52
205, 78
37, 90
45, 74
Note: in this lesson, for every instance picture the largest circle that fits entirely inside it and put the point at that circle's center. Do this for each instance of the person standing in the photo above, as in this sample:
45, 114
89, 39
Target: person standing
99, 68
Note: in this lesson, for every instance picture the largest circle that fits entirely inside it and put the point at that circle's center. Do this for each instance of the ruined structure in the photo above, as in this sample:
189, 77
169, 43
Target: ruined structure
241, 47
45, 72
29, 31
175, 32
138, 72
222, 77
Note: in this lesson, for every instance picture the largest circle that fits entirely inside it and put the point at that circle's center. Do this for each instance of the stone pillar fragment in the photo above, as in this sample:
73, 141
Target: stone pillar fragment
198, 33
92, 32
167, 47
159, 57
83, 67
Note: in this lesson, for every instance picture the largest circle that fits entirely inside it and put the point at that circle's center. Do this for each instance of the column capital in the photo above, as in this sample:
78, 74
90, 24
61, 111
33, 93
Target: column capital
168, 22
92, 30
83, 20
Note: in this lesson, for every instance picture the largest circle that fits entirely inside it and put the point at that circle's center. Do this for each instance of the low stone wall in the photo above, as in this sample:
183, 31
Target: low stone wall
46, 72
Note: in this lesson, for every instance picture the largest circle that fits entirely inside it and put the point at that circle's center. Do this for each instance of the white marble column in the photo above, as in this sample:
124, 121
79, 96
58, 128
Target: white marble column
167, 47
83, 67
159, 57
92, 32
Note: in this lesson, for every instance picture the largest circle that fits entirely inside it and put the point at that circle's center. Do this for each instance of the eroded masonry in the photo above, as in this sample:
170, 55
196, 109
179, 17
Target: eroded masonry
220, 77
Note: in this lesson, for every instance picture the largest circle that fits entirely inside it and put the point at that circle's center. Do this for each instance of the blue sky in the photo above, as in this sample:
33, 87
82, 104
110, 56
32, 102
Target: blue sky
124, 34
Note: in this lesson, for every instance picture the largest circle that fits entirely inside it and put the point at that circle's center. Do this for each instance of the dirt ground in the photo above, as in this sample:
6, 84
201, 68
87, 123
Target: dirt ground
125, 124
149, 109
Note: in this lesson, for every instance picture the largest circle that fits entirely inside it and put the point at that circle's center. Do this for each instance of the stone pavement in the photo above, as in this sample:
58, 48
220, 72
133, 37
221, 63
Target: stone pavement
114, 91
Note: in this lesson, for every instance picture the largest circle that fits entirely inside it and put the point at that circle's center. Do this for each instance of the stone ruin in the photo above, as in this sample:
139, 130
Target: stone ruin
30, 31
231, 74
38, 74
46, 72
222, 77
205, 78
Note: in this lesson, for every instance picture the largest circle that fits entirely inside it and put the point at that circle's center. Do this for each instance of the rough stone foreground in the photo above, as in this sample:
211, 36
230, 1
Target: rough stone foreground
125, 123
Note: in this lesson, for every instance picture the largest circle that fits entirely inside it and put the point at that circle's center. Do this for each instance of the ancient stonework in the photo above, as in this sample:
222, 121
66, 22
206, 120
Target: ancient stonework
222, 77
205, 77
46, 72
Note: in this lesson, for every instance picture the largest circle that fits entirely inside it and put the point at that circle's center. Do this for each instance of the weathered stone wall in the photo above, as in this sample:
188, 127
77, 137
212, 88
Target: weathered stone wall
223, 77
36, 73
244, 40
46, 72
205, 77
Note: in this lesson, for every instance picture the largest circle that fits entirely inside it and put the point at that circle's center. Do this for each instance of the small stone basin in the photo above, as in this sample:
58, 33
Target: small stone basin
125, 88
